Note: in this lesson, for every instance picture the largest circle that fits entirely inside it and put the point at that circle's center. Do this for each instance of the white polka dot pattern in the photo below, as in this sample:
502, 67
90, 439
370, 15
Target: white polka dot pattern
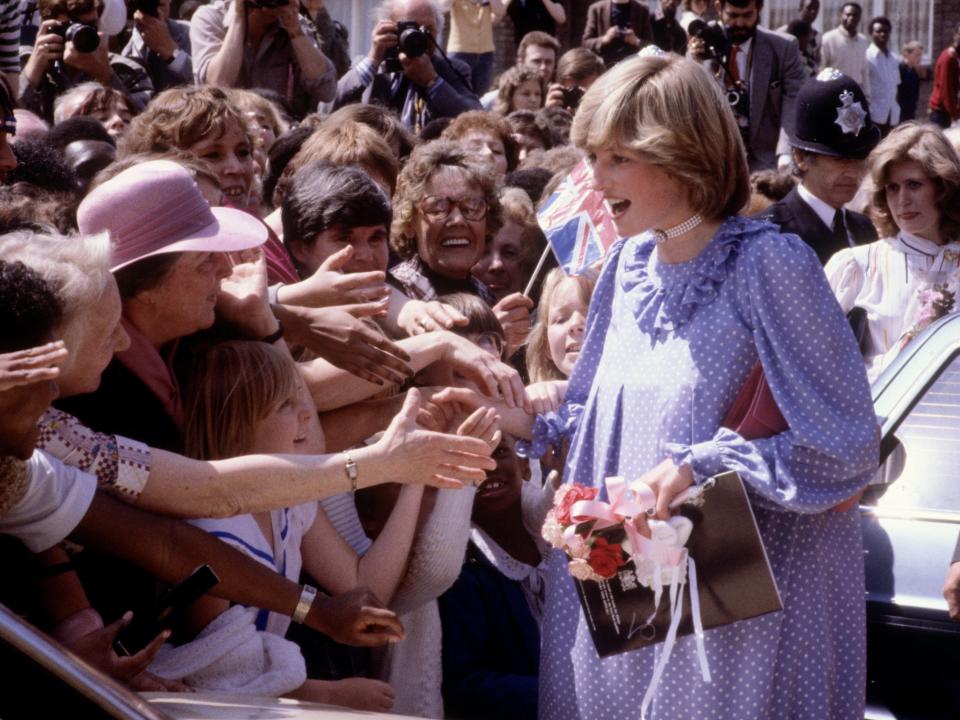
666, 351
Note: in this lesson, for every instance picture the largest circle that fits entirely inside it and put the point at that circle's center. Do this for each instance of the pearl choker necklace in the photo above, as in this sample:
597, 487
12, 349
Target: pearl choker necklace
661, 236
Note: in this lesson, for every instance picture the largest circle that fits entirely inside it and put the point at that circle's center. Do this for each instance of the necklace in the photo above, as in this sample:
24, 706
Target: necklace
661, 236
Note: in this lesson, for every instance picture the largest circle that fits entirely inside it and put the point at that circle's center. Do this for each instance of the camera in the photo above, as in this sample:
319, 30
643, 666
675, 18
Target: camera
714, 38
83, 36
412, 40
147, 7
572, 97
266, 4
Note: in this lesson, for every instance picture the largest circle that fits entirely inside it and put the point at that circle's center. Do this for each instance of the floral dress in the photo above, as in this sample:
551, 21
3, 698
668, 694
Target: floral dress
666, 350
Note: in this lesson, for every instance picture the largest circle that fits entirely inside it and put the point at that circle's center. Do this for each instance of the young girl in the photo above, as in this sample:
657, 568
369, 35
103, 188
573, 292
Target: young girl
247, 397
556, 338
519, 89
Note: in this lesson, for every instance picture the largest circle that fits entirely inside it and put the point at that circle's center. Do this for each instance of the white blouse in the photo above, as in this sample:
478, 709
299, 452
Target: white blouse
887, 278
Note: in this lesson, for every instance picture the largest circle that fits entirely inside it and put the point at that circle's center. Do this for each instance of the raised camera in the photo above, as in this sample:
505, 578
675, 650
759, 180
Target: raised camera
267, 4
413, 40
147, 7
83, 36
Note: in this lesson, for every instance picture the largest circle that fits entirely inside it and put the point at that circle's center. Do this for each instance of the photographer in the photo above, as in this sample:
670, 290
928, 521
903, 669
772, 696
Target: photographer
616, 29
160, 44
404, 71
761, 71
261, 43
68, 51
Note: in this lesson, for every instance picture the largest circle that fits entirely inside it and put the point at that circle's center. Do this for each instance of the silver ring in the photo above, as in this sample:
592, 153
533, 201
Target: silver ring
651, 511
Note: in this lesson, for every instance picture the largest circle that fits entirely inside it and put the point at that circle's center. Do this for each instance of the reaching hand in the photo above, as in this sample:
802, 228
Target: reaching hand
495, 378
667, 481
97, 649
243, 298
343, 340
418, 317
513, 312
355, 617
412, 455
36, 364
547, 396
330, 286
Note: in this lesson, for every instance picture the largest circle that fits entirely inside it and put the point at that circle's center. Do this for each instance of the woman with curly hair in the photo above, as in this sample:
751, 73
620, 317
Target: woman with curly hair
486, 135
205, 122
916, 206
519, 89
445, 211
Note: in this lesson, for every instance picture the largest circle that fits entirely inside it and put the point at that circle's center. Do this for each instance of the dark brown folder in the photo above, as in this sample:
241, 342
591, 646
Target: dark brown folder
733, 574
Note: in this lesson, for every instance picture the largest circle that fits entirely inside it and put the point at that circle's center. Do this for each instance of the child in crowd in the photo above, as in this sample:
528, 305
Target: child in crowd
247, 397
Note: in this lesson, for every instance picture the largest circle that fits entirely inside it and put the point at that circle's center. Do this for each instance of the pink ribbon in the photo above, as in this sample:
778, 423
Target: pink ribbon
627, 501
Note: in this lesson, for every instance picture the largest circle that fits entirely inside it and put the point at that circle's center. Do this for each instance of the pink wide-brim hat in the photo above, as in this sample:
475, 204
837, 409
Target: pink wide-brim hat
157, 208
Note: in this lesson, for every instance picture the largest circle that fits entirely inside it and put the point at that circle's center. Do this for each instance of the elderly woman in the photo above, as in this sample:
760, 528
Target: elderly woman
445, 211
916, 206
169, 256
687, 303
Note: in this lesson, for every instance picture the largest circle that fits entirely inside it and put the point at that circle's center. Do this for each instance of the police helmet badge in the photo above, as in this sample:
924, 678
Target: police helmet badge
851, 117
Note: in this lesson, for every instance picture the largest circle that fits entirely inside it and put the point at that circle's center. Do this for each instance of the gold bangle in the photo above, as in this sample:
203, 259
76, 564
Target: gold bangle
352, 473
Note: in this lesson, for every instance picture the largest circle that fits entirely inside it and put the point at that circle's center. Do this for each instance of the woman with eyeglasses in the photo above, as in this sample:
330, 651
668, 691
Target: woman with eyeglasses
445, 211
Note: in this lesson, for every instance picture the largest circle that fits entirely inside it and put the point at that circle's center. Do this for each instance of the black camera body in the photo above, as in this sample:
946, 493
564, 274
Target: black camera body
572, 97
83, 36
714, 37
412, 40
147, 7
267, 4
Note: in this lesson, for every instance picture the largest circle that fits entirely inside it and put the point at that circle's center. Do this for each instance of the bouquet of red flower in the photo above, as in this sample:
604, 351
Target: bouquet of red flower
592, 557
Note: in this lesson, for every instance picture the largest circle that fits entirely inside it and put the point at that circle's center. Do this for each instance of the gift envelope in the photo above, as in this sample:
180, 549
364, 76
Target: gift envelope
734, 578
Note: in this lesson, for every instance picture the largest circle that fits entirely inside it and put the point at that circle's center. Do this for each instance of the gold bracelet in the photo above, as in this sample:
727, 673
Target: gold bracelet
350, 468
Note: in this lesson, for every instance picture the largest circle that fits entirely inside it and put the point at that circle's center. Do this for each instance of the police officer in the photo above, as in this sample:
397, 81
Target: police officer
834, 136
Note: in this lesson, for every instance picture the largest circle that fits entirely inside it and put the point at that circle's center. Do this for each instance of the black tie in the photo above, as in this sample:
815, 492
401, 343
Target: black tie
840, 236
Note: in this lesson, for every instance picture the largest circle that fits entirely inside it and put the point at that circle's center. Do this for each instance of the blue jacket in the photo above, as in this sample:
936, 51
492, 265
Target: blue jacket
491, 645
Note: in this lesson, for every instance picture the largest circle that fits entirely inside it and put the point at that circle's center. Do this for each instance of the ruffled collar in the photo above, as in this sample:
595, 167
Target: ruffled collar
664, 296
910, 244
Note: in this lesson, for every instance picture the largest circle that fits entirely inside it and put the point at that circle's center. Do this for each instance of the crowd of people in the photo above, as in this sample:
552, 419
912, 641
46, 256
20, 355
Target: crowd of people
290, 314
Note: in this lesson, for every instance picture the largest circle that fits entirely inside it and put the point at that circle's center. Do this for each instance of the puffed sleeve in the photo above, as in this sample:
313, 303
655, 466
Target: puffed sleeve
845, 275
816, 374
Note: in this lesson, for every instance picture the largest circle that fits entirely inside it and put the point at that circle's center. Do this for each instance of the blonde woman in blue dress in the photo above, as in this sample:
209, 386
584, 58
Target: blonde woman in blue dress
686, 304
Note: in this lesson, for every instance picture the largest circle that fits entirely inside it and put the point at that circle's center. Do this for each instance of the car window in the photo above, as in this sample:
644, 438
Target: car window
926, 466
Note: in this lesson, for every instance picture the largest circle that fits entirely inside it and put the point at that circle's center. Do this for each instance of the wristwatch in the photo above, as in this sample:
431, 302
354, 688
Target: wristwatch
173, 57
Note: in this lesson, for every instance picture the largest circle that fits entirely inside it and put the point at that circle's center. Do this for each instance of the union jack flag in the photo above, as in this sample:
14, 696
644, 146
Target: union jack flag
577, 223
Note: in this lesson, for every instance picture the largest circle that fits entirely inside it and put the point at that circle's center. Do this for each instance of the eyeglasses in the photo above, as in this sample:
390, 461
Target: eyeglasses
438, 208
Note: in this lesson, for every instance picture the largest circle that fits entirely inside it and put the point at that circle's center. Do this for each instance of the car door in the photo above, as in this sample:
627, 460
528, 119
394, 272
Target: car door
911, 520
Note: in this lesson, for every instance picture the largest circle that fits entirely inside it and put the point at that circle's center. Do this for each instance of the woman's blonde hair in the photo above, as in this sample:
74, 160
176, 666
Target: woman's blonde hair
539, 363
182, 116
232, 387
424, 161
927, 145
672, 114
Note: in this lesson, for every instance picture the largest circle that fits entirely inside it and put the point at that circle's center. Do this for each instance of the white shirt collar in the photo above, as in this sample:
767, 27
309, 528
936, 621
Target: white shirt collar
824, 211
916, 245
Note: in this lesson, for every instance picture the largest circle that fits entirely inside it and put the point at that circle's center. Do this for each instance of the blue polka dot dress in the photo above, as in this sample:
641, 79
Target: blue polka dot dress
667, 348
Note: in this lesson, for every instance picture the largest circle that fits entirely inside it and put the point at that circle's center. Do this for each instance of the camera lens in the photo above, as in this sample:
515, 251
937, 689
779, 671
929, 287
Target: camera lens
84, 37
413, 42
